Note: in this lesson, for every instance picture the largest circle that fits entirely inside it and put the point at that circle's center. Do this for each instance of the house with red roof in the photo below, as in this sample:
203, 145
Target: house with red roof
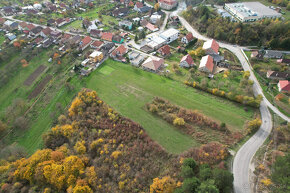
45, 32
206, 64
186, 61
164, 51
153, 64
108, 36
119, 52
187, 39
167, 4
85, 42
131, 4
284, 86
138, 6
211, 47
97, 44
22, 26
2, 21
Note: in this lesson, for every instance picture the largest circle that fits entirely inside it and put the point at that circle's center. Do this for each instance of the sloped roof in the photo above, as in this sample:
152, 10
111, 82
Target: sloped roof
121, 50
107, 36
207, 61
139, 4
86, 41
189, 37
153, 63
284, 85
188, 59
97, 43
211, 44
164, 50
46, 31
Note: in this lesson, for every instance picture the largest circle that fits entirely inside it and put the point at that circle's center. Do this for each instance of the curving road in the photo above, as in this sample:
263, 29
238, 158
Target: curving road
243, 158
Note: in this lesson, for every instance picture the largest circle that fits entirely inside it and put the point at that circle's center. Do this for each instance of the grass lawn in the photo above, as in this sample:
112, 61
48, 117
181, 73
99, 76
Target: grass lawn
77, 24
2, 38
128, 89
15, 88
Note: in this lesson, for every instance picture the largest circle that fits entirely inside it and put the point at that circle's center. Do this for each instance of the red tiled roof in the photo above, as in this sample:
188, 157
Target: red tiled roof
22, 24
121, 50
284, 85
46, 31
2, 20
169, 2
86, 41
189, 37
139, 4
97, 43
188, 59
215, 46
164, 50
209, 63
150, 26
107, 36
30, 26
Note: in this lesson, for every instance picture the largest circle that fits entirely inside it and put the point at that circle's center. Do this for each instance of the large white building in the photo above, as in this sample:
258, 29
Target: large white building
167, 4
170, 35
250, 11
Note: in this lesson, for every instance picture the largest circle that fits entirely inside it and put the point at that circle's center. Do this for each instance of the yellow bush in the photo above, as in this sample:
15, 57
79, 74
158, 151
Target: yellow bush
179, 121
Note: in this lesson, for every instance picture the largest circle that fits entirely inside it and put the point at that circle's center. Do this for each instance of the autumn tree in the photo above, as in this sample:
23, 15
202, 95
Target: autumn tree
3, 127
254, 125
165, 184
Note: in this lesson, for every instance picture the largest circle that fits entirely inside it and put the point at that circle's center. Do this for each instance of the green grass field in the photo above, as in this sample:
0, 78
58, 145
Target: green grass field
15, 88
128, 89
2, 38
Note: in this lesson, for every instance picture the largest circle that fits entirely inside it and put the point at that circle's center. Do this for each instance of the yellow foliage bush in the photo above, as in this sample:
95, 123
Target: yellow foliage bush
165, 184
116, 154
266, 181
80, 147
178, 121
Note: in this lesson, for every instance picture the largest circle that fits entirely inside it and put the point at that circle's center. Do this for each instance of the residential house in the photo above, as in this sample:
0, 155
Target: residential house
126, 23
211, 47
37, 6
120, 12
164, 51
273, 54
65, 38
144, 9
108, 36
11, 36
187, 39
31, 12
14, 26
96, 56
155, 18
22, 26
60, 22
167, 4
278, 75
170, 35
85, 42
107, 48
284, 86
138, 6
149, 26
97, 44
206, 64
56, 35
35, 31
93, 26
75, 40
51, 22
257, 54
95, 33
153, 64
28, 28
284, 61
7, 24
146, 49
186, 61
117, 39
38, 40
47, 42
8, 11
45, 32
118, 53
136, 58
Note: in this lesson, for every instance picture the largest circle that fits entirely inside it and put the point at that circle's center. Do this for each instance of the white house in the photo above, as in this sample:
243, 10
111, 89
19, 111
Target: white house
155, 18
186, 61
170, 35
167, 4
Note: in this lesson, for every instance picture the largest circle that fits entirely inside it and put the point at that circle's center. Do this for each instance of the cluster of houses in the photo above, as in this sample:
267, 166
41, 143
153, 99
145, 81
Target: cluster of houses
279, 56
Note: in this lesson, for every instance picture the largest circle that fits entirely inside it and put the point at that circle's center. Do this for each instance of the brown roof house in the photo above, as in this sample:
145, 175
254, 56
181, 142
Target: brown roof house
97, 44
278, 75
85, 42
187, 39
164, 51
206, 64
211, 47
153, 64
45, 32
118, 53
186, 61
108, 36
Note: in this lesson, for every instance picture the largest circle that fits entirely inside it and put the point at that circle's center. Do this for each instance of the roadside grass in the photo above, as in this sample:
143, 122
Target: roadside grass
2, 38
15, 88
128, 89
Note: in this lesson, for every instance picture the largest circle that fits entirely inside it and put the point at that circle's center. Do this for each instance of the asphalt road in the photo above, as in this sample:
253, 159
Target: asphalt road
243, 158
